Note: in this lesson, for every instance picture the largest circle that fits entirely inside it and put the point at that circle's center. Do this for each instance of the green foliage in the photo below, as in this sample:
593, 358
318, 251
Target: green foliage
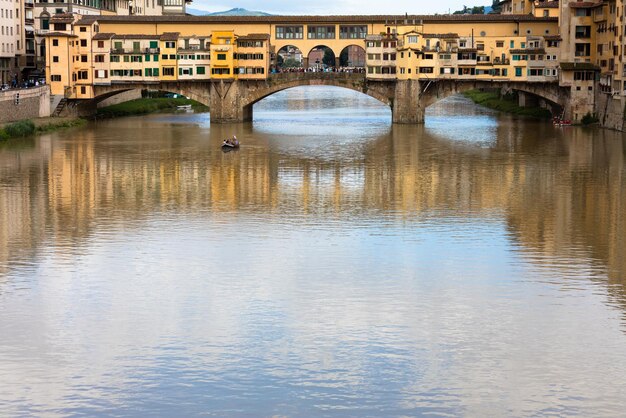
291, 63
72, 123
145, 106
476, 10
506, 104
590, 119
329, 57
20, 129
25, 128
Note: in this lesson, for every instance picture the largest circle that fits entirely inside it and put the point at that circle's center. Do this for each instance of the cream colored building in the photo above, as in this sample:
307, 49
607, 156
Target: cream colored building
12, 39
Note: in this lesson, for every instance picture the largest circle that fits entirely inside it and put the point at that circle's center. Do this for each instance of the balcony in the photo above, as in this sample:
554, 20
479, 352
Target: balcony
28, 21
29, 3
499, 61
134, 51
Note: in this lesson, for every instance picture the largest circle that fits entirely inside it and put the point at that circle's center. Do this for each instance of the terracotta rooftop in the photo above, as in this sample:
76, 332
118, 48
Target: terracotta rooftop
584, 4
60, 34
169, 36
389, 19
254, 36
127, 36
548, 5
102, 36
573, 66
441, 35
62, 18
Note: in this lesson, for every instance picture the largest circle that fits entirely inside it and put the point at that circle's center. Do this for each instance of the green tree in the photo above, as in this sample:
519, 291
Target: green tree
329, 57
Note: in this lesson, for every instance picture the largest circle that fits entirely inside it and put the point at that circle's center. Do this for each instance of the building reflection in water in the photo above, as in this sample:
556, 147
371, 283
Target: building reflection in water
561, 191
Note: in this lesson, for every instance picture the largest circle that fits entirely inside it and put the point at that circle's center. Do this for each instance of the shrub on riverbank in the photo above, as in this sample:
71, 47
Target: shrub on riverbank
25, 128
506, 104
17, 129
145, 106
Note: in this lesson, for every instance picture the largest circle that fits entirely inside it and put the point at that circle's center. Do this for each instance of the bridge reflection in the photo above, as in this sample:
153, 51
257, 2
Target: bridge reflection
57, 191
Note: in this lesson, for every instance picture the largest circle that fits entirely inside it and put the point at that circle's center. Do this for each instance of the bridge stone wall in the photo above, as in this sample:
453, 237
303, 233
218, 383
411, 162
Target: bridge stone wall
232, 100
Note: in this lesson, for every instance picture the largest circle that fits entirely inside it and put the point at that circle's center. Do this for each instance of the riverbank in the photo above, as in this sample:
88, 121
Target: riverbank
29, 127
148, 105
507, 103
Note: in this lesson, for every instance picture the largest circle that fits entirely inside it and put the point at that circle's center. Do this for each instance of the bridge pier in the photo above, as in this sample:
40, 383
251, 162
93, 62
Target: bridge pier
227, 103
407, 106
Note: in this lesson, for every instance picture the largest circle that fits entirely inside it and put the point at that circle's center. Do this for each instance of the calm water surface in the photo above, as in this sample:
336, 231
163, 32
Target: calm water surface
335, 265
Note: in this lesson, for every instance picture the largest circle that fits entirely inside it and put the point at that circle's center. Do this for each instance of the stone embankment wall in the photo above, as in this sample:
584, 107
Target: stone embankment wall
33, 103
610, 110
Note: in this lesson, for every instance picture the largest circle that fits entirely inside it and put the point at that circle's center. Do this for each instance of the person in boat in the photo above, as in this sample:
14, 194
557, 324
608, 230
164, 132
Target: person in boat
234, 141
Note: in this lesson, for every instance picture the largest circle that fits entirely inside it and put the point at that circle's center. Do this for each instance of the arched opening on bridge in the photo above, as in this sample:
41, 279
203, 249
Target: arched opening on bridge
322, 58
321, 105
352, 58
289, 58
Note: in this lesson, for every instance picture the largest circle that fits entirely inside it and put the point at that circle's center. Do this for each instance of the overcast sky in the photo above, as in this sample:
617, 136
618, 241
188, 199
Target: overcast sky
327, 7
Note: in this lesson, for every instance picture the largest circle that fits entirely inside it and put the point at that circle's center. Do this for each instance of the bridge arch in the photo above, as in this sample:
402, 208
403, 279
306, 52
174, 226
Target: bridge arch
352, 56
289, 56
322, 56
355, 82
555, 97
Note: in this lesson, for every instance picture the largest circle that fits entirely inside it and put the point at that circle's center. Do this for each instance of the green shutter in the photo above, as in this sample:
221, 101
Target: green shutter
147, 58
147, 72
180, 71
154, 44
126, 58
155, 58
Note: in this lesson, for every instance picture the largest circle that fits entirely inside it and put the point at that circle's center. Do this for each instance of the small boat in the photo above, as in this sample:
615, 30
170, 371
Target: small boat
184, 107
227, 144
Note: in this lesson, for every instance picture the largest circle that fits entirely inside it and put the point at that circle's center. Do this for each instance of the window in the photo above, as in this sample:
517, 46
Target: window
135, 58
99, 58
155, 58
115, 58
170, 44
172, 56
126, 58
221, 57
168, 71
117, 45
582, 50
164, 56
321, 32
45, 24
55, 42
83, 90
518, 71
200, 70
512, 44
83, 42
352, 32
83, 29
83, 75
55, 77
100, 73
499, 44
100, 44
83, 58
154, 44
289, 32
412, 39
55, 59
220, 71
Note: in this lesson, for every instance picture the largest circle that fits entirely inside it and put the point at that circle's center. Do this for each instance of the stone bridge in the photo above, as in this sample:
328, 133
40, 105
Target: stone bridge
233, 100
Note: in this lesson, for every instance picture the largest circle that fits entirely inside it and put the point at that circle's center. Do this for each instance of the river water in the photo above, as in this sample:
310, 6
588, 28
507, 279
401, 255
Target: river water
335, 265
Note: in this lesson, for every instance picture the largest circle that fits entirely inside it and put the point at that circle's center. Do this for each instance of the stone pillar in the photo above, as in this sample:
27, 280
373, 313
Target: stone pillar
407, 106
337, 62
305, 62
521, 99
226, 102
